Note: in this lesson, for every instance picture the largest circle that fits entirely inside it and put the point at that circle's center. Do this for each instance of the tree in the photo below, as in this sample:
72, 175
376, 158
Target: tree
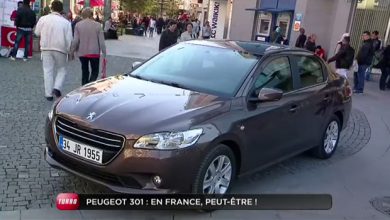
152, 7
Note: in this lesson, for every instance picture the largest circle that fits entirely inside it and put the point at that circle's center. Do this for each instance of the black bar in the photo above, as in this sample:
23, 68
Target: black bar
205, 202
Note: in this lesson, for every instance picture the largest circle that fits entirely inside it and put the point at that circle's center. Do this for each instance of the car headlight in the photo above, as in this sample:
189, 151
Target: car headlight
169, 140
52, 109
50, 114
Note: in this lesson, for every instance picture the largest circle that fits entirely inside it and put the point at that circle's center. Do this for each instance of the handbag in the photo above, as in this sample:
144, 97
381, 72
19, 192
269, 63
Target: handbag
104, 69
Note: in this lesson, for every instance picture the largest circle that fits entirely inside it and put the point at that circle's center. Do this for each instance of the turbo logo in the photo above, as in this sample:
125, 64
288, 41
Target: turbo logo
68, 201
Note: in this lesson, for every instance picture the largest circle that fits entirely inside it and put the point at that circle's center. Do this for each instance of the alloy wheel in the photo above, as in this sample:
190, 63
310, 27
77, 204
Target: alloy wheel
331, 137
218, 176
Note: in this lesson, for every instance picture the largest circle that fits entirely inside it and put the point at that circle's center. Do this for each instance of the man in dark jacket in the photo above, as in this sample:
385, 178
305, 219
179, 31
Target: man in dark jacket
385, 69
344, 58
376, 45
301, 39
24, 22
169, 36
364, 60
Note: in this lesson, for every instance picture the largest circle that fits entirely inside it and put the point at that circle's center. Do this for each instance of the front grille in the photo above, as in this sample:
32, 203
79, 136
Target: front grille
109, 142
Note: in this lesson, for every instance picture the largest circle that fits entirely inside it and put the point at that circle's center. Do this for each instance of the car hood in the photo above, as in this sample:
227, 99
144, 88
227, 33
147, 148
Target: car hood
130, 106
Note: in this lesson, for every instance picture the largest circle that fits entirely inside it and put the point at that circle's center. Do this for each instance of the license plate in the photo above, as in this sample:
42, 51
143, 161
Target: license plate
81, 150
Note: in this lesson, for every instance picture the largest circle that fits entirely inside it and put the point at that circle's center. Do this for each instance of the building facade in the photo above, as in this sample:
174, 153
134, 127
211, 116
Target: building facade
328, 19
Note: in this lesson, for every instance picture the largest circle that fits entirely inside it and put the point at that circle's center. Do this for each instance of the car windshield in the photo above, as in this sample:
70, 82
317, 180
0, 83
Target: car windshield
206, 69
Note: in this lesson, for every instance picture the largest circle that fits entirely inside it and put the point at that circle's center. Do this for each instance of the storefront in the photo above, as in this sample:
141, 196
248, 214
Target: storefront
272, 14
219, 16
327, 19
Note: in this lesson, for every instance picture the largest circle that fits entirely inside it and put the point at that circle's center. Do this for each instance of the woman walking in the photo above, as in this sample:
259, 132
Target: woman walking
189, 34
206, 32
88, 44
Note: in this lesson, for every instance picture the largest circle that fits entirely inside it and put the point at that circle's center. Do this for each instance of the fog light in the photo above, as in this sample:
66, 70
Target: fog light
157, 180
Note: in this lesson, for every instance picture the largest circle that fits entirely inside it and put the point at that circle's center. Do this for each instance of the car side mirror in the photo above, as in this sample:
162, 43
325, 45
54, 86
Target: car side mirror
135, 65
268, 95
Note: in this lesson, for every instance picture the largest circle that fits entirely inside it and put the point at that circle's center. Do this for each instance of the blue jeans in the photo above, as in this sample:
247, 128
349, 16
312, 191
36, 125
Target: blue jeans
360, 77
368, 74
27, 39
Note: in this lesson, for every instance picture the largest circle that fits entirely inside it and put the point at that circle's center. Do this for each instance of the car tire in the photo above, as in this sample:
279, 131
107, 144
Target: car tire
220, 154
330, 139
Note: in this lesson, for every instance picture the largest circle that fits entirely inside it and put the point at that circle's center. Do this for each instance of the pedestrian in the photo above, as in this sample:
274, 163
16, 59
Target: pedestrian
364, 59
74, 22
169, 36
159, 25
340, 42
14, 14
311, 43
110, 31
344, 58
25, 21
189, 34
152, 26
320, 52
278, 38
206, 31
56, 38
301, 39
88, 44
384, 82
196, 27
376, 45
376, 42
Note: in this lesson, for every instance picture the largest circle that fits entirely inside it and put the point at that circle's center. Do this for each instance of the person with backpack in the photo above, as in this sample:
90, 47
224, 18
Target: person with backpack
344, 58
384, 64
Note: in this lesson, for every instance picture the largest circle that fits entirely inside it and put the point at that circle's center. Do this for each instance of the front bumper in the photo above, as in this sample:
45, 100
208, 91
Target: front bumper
132, 170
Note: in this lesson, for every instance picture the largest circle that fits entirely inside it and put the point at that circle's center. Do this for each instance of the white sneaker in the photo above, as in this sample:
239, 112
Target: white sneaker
25, 60
12, 58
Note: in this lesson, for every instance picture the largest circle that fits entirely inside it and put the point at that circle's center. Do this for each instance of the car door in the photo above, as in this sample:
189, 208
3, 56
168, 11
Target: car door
315, 98
271, 127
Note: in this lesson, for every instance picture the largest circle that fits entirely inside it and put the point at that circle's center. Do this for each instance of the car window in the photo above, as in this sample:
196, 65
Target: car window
277, 75
310, 71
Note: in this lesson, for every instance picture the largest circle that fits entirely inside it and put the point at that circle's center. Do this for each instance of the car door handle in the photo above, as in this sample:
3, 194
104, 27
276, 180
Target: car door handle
326, 98
293, 108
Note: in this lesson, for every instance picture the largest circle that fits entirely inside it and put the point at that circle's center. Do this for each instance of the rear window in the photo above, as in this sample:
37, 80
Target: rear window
310, 71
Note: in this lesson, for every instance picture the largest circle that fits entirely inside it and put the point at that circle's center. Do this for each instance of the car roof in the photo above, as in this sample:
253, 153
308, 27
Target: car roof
256, 48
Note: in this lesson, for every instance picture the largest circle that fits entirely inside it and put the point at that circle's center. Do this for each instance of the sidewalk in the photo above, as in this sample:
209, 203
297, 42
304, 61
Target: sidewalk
133, 46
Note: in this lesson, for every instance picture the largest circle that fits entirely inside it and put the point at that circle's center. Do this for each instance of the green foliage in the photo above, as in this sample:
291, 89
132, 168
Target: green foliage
151, 7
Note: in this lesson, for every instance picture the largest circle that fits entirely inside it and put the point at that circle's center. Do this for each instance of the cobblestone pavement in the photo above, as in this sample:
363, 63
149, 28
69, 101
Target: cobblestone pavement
26, 181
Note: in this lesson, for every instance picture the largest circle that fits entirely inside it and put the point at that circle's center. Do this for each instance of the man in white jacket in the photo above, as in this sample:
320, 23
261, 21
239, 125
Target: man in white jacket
56, 38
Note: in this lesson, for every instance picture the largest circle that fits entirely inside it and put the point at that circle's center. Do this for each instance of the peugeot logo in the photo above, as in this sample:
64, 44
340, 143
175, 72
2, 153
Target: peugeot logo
91, 115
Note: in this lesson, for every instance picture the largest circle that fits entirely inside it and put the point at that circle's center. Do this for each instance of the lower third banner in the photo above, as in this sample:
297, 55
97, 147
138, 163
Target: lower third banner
72, 201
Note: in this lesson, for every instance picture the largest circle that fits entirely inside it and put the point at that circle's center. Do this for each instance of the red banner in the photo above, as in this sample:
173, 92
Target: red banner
8, 37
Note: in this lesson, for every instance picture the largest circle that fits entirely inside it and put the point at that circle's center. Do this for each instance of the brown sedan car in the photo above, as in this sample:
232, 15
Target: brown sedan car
196, 116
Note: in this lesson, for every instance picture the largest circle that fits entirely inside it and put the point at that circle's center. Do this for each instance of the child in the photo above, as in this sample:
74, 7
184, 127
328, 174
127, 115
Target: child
320, 52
